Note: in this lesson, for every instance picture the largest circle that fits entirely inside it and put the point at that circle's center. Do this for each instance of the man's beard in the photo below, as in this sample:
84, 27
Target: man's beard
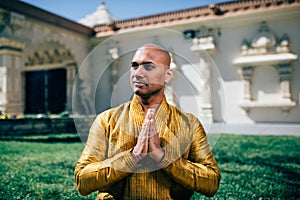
149, 94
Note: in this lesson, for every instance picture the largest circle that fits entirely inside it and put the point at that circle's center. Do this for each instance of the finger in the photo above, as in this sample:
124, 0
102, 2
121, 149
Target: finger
150, 114
154, 140
141, 147
155, 107
144, 130
153, 132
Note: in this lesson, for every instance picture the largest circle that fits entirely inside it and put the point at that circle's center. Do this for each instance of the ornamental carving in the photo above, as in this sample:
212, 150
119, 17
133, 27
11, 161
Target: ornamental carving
6, 43
265, 42
265, 50
10, 22
49, 56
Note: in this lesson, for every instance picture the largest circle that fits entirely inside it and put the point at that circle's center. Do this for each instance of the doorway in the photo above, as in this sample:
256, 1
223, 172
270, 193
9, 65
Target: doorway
45, 91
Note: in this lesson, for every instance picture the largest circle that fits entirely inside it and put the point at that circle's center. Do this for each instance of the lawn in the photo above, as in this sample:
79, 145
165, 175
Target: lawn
252, 167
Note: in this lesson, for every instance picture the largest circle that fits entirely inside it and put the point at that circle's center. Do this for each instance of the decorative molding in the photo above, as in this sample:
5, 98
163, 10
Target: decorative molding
7, 44
49, 56
265, 50
285, 106
203, 39
10, 21
204, 43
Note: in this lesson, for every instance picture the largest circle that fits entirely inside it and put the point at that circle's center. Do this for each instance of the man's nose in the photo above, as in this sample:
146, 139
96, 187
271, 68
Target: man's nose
140, 71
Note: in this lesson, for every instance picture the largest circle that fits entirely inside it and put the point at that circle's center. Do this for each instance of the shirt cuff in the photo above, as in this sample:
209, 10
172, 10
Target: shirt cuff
131, 161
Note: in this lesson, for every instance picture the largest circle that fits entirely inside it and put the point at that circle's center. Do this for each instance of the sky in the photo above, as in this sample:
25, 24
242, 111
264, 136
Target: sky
122, 9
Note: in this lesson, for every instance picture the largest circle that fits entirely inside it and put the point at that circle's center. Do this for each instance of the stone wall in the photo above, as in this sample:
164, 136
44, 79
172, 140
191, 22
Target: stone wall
18, 127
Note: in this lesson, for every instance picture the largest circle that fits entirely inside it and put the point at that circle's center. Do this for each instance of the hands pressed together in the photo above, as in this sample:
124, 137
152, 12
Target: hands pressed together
148, 143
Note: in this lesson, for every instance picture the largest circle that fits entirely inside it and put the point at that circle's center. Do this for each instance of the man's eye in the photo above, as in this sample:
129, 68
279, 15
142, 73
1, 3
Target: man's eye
148, 66
134, 67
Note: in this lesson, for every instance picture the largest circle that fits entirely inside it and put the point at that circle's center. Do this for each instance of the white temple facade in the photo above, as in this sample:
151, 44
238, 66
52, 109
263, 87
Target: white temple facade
236, 64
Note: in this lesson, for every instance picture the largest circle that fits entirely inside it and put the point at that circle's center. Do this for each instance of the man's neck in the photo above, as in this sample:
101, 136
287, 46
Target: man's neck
151, 101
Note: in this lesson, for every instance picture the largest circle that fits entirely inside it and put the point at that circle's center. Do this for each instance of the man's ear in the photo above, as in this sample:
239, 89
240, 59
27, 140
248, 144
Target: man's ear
169, 75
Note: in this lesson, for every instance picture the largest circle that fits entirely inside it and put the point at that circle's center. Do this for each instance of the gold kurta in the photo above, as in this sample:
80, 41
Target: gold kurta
107, 166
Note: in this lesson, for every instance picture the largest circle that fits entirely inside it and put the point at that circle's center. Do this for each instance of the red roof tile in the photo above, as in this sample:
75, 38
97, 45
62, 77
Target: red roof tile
203, 12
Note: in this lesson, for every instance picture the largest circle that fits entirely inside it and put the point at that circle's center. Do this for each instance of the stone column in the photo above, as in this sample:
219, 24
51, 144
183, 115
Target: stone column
114, 52
246, 74
11, 65
3, 87
114, 59
71, 76
200, 46
284, 71
170, 90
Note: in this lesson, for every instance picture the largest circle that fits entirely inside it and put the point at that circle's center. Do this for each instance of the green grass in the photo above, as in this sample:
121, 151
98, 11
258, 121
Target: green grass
39, 170
252, 167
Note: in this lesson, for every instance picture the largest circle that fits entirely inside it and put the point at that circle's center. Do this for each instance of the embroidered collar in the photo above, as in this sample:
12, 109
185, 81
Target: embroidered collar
137, 113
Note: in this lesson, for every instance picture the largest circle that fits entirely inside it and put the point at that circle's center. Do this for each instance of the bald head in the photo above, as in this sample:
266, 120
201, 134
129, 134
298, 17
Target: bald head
150, 71
156, 52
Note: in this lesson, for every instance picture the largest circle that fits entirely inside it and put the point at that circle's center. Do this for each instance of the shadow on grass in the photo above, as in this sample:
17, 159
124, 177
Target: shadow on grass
288, 169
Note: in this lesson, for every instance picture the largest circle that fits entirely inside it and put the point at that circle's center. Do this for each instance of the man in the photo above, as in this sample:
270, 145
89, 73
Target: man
146, 148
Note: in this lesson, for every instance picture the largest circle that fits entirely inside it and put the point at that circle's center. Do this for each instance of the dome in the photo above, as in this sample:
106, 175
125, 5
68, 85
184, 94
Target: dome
100, 16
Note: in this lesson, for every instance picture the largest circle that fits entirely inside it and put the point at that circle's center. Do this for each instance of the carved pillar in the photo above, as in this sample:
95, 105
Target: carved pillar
10, 76
170, 94
246, 74
284, 71
71, 75
3, 87
114, 55
199, 45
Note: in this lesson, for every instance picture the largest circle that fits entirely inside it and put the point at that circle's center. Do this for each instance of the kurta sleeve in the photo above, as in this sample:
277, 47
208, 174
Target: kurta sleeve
94, 171
198, 171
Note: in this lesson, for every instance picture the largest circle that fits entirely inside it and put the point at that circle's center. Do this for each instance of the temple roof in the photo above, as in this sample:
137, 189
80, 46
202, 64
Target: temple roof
45, 16
100, 16
102, 23
212, 11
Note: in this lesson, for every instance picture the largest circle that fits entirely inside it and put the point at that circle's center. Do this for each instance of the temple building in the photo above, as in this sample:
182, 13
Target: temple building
236, 64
